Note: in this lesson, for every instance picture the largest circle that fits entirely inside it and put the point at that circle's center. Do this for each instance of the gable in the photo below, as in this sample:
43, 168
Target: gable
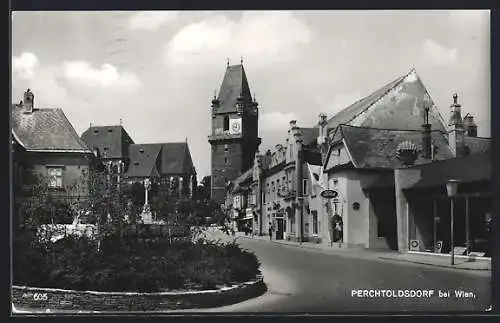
143, 160
397, 105
338, 156
176, 159
111, 141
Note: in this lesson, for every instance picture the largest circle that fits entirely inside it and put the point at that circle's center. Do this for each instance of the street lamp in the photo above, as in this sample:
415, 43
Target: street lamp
451, 189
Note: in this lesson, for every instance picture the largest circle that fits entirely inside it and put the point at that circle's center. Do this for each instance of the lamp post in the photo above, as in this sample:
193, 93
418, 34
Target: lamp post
451, 189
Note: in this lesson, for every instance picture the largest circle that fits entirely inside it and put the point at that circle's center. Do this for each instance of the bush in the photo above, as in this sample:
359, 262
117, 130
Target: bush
144, 265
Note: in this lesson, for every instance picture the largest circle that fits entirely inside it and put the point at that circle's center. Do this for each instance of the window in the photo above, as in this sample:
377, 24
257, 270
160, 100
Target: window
335, 182
226, 123
225, 161
55, 177
336, 152
315, 222
226, 148
304, 187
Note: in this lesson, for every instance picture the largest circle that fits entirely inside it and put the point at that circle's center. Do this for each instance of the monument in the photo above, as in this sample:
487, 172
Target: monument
146, 216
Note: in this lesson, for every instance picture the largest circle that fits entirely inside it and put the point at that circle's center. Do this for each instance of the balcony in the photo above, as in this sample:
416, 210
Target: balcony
223, 136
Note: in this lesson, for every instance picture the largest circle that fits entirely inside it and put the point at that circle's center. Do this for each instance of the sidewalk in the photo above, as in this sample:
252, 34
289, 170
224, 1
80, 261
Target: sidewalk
389, 255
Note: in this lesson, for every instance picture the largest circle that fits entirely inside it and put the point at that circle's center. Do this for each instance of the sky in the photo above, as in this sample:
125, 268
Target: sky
156, 72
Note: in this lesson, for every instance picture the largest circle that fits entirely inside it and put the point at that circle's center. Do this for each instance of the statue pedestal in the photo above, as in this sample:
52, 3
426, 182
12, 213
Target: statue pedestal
146, 215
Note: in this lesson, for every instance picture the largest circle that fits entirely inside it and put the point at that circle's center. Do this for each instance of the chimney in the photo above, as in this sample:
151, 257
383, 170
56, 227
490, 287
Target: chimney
426, 135
470, 126
29, 101
456, 131
323, 136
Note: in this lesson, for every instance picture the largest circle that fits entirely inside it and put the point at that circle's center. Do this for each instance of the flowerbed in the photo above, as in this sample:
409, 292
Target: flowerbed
131, 265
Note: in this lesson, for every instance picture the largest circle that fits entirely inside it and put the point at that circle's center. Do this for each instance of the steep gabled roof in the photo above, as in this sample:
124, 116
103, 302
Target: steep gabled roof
234, 83
377, 148
397, 105
143, 160
309, 135
176, 159
111, 141
346, 115
45, 130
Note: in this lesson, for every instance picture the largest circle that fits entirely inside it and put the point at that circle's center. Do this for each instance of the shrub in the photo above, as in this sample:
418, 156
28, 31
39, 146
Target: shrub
147, 265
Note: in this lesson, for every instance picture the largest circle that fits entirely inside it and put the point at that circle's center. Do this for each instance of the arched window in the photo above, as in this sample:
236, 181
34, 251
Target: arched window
226, 123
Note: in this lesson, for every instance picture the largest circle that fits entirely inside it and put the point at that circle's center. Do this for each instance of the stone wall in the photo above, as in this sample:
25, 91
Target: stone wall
30, 297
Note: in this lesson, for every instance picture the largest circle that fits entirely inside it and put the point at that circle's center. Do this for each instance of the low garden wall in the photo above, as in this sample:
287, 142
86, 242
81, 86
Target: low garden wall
30, 297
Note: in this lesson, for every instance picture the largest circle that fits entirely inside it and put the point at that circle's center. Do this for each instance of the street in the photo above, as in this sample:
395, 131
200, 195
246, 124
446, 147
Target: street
309, 281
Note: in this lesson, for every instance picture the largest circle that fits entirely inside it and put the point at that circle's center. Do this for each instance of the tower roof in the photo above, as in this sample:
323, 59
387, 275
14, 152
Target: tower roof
233, 85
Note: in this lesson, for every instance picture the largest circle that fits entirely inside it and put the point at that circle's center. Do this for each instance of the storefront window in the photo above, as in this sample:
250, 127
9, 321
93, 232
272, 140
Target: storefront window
430, 225
314, 222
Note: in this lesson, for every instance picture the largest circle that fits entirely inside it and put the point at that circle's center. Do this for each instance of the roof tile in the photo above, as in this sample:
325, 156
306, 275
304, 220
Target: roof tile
45, 129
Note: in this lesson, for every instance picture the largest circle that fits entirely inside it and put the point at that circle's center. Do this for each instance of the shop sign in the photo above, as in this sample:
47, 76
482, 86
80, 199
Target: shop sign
329, 194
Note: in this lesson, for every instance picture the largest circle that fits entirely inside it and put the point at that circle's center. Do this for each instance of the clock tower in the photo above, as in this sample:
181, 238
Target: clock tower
234, 138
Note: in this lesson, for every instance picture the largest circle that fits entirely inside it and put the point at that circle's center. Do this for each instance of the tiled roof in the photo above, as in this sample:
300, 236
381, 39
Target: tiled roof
143, 160
176, 158
111, 141
349, 113
309, 135
376, 148
467, 169
45, 129
234, 83
478, 145
397, 105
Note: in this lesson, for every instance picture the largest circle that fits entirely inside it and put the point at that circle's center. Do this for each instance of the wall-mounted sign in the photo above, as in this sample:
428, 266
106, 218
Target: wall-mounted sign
414, 245
329, 194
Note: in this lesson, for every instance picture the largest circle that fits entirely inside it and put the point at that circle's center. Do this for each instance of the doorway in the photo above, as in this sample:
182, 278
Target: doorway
280, 226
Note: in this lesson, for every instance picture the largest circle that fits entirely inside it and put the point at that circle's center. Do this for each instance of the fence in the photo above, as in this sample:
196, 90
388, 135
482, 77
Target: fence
55, 232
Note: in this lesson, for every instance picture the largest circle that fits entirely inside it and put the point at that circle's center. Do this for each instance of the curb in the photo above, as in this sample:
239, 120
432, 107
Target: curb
433, 265
339, 251
59, 299
336, 252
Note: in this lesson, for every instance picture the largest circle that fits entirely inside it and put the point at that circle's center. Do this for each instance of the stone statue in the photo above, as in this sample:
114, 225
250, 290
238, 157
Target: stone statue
146, 215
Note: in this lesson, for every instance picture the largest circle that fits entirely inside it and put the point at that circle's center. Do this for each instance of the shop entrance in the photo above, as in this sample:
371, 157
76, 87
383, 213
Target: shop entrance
280, 228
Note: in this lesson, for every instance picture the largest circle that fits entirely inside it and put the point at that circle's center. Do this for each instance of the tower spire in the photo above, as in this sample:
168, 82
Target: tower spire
241, 60
227, 61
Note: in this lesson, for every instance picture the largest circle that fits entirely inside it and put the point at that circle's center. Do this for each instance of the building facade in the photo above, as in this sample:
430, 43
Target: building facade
47, 147
168, 164
234, 135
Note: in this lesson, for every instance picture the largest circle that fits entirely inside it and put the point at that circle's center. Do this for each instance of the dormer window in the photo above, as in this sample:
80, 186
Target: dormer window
141, 150
110, 130
96, 131
136, 163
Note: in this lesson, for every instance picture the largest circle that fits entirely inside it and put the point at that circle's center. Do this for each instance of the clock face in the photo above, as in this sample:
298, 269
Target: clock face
235, 126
